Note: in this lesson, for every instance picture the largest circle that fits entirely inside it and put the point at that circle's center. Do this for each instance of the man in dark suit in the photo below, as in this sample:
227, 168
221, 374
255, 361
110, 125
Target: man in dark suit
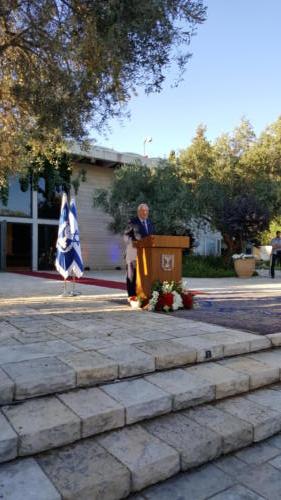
139, 227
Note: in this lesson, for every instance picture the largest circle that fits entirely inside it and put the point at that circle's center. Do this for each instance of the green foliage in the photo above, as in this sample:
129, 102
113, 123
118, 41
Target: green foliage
236, 182
267, 236
197, 266
168, 286
169, 199
65, 65
56, 170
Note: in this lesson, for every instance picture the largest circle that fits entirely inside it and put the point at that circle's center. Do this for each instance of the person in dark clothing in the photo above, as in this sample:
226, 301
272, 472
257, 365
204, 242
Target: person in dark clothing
138, 227
276, 253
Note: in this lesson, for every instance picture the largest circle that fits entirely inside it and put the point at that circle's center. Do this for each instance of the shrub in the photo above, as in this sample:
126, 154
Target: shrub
198, 266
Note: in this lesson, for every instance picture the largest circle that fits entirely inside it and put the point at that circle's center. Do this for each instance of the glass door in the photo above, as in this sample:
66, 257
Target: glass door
18, 246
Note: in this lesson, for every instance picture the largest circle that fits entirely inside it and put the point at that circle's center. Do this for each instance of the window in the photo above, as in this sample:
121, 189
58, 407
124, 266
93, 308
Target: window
48, 206
19, 202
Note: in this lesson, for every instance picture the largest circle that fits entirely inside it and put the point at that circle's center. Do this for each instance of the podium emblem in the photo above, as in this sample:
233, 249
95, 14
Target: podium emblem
167, 262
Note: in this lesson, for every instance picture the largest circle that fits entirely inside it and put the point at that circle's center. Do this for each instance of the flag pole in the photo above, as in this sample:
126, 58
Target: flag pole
77, 267
64, 293
64, 246
74, 292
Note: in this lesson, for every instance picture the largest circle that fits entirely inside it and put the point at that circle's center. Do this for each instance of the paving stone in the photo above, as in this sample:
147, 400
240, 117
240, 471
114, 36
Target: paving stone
8, 341
7, 387
40, 376
152, 335
196, 444
122, 338
97, 411
235, 433
149, 459
226, 381
194, 485
31, 337
42, 424
68, 337
234, 343
7, 329
231, 465
260, 374
140, 398
90, 367
258, 453
271, 358
168, 354
265, 421
201, 345
258, 342
136, 496
275, 441
25, 480
276, 461
275, 339
8, 441
14, 354
90, 344
186, 389
131, 361
268, 398
237, 492
85, 470
263, 479
34, 326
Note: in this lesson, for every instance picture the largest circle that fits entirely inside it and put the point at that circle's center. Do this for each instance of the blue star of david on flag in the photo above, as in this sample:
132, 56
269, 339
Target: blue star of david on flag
77, 266
64, 256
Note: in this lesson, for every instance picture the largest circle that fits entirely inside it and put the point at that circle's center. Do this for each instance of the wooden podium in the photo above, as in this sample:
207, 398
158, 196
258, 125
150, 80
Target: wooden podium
159, 258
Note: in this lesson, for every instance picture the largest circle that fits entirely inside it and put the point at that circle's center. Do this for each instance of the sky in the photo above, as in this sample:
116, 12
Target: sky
234, 72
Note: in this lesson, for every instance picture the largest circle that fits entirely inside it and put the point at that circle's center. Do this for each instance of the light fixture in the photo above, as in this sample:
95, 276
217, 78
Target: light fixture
146, 141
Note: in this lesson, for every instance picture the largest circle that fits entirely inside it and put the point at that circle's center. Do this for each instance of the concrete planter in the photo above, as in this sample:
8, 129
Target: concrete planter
244, 268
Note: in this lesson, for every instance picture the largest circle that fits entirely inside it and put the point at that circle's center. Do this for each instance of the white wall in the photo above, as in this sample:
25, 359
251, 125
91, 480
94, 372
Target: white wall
101, 249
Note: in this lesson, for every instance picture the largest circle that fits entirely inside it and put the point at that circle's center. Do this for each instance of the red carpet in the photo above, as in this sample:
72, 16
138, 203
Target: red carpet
82, 281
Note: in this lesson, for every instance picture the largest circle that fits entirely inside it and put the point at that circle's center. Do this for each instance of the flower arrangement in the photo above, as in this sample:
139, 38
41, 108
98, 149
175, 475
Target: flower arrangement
134, 302
169, 296
137, 301
236, 256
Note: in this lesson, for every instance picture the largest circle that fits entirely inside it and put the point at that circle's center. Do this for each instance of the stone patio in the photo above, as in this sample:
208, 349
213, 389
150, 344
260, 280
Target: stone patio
99, 401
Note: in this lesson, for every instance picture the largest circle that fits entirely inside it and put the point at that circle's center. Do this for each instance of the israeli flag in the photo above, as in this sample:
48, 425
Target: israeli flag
64, 257
77, 267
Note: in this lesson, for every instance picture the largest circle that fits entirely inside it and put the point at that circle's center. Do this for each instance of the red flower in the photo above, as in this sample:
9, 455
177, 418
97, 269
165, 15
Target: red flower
160, 303
168, 299
164, 300
187, 299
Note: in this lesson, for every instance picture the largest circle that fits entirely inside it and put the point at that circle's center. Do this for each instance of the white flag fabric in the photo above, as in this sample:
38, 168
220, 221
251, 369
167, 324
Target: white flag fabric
64, 256
77, 267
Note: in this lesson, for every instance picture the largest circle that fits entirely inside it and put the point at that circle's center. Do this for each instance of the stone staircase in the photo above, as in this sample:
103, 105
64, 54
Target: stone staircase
85, 419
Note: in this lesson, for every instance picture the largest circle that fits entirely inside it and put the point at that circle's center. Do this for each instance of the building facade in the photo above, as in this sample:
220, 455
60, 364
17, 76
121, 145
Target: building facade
29, 223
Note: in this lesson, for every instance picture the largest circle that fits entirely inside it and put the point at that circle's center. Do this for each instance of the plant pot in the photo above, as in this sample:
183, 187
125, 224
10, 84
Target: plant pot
135, 304
244, 268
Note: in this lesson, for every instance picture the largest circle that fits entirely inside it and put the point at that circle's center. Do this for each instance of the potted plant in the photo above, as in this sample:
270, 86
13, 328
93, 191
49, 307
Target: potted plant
244, 265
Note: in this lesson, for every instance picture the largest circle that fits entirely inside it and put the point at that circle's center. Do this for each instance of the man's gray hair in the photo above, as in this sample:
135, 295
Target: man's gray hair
143, 205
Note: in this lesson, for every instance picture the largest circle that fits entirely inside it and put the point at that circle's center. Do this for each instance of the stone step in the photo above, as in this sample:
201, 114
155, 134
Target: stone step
42, 368
116, 463
253, 473
48, 422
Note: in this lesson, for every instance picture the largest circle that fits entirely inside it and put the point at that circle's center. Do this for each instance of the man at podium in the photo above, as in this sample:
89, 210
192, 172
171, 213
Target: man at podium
138, 227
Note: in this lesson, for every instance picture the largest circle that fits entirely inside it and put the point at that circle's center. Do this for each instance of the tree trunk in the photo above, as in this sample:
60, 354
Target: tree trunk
232, 246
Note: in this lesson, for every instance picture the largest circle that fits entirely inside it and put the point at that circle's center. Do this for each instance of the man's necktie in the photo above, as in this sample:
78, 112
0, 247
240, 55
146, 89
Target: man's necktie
144, 223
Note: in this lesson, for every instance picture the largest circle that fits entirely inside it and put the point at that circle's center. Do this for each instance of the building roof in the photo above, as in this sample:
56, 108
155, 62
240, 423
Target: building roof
107, 157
